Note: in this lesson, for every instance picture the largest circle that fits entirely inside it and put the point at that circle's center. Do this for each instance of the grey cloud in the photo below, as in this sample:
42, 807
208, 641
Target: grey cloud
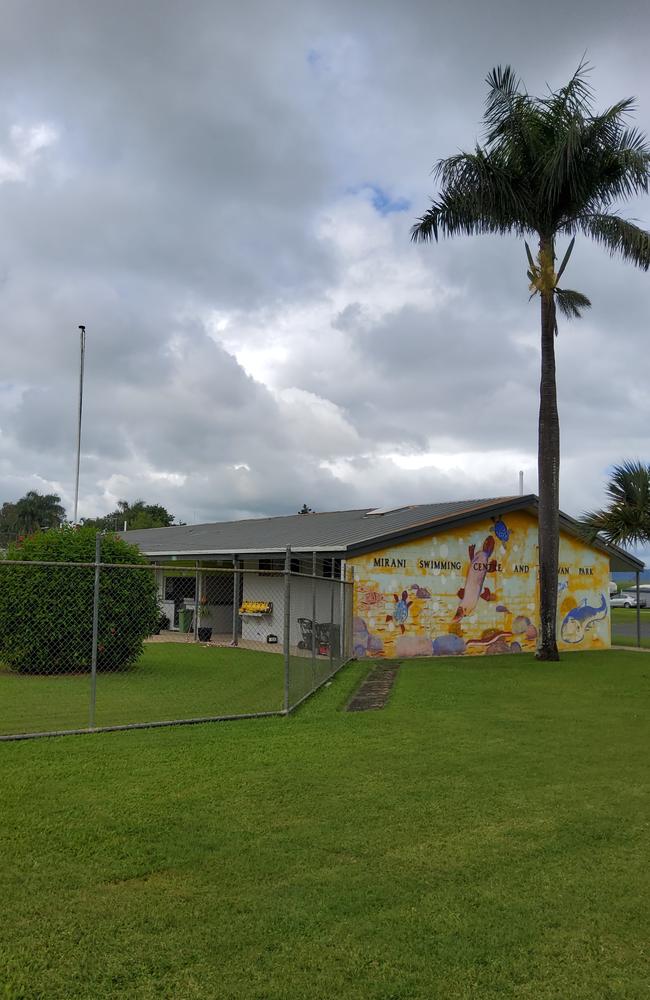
192, 170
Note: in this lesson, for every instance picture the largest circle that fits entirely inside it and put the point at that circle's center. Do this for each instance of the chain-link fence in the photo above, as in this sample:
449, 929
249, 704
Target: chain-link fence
88, 646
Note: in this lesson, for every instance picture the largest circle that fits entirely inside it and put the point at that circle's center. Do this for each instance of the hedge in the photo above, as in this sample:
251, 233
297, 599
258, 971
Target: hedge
46, 612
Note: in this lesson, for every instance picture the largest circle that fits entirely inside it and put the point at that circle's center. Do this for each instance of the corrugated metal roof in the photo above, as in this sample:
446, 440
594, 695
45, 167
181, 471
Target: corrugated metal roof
332, 531
344, 531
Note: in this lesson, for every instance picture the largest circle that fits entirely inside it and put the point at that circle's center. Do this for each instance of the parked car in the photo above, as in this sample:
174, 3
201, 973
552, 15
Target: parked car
626, 600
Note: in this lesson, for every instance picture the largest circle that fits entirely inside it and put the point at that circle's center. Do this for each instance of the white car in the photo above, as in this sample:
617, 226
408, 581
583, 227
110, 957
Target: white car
626, 600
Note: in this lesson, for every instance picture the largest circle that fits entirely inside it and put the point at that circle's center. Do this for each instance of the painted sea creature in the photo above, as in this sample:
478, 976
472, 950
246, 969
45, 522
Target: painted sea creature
479, 566
489, 638
420, 592
582, 618
370, 597
501, 529
503, 609
402, 605
562, 585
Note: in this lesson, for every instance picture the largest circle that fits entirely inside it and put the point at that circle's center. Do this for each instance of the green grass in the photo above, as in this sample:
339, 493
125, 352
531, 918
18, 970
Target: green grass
170, 681
485, 836
627, 616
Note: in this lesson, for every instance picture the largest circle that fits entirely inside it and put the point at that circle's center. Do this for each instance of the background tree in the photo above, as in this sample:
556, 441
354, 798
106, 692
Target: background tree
33, 511
625, 520
550, 168
137, 514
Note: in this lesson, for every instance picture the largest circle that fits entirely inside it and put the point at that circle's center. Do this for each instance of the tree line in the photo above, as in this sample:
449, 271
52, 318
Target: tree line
39, 511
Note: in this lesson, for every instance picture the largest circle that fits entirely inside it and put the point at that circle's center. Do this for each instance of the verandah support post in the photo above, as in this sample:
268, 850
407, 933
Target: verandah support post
287, 626
235, 603
197, 599
638, 610
95, 639
313, 610
332, 614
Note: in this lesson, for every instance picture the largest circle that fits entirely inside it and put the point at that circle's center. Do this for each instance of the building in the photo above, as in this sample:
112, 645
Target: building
429, 579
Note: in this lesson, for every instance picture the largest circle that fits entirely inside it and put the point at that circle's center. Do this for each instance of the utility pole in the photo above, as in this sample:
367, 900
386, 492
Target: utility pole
82, 351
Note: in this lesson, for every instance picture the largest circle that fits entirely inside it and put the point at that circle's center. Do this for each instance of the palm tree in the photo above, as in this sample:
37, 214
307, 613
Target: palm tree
550, 168
626, 518
38, 510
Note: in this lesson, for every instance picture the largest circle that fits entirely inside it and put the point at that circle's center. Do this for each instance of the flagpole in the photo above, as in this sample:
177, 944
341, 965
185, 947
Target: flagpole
82, 351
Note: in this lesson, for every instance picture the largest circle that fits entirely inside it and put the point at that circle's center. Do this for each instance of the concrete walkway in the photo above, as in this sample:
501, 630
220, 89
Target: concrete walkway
374, 691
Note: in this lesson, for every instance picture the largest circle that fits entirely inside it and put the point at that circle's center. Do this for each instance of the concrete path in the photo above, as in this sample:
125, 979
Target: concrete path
374, 691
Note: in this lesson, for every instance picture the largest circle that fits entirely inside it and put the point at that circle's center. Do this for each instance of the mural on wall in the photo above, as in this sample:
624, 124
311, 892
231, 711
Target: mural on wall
474, 591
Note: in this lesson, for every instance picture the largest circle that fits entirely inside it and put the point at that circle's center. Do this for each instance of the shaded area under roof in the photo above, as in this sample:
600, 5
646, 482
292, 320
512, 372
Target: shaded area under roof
348, 532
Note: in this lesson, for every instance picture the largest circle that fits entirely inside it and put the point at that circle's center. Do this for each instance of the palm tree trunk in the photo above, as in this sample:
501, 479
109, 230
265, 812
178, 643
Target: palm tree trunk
548, 465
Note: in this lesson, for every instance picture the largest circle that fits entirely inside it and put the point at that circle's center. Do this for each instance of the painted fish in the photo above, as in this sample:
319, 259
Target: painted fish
503, 608
402, 605
489, 636
421, 592
479, 565
582, 618
501, 530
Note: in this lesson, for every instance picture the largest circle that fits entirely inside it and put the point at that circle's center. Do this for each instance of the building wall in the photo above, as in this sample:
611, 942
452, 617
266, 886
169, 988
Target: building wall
266, 587
474, 590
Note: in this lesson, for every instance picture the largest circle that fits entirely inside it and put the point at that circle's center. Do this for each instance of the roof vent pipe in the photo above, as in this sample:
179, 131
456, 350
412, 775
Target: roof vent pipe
521, 482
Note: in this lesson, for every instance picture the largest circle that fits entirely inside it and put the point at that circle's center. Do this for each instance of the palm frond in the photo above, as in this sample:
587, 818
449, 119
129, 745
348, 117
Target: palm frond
571, 303
503, 89
625, 520
565, 259
575, 97
454, 213
477, 196
618, 236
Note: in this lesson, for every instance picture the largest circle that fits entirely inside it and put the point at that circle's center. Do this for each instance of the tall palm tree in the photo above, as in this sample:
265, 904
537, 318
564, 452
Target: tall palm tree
549, 168
38, 510
626, 518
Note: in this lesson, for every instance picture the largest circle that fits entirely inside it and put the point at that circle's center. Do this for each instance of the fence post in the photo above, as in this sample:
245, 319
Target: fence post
286, 638
313, 610
638, 611
235, 602
93, 663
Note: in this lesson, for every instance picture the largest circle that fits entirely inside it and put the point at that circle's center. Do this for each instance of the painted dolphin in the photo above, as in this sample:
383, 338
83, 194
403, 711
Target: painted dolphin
479, 566
582, 618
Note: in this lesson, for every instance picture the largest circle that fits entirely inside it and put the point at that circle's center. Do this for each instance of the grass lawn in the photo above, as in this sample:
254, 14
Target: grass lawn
627, 636
484, 836
171, 681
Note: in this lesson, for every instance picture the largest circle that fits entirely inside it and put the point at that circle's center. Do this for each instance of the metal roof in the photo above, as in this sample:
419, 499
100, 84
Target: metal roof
348, 532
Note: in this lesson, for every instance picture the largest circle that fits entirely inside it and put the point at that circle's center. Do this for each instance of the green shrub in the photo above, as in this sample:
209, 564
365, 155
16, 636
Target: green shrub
46, 612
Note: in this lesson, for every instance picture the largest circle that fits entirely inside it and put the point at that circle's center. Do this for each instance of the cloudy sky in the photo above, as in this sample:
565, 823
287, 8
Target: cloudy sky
223, 193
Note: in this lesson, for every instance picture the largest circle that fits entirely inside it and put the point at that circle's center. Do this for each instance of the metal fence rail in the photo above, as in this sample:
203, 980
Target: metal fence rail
87, 647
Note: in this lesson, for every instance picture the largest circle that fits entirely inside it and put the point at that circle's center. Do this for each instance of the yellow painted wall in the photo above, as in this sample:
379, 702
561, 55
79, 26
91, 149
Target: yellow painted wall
407, 598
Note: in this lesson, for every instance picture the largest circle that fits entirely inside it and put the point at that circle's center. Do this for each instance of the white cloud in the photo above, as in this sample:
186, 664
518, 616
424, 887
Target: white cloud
23, 148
